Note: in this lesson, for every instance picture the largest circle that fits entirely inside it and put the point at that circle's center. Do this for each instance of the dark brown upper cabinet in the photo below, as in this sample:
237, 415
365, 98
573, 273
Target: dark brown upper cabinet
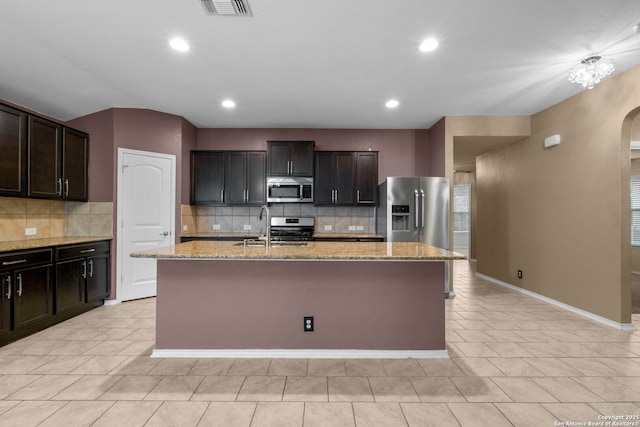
228, 177
58, 161
207, 177
334, 182
347, 178
290, 158
245, 182
13, 152
45, 158
366, 178
75, 165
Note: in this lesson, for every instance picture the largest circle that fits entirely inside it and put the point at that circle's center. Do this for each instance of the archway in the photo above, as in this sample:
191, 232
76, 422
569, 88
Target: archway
631, 166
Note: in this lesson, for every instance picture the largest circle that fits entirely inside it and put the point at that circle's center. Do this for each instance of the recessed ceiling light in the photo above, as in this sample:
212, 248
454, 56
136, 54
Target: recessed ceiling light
227, 103
179, 44
392, 103
428, 45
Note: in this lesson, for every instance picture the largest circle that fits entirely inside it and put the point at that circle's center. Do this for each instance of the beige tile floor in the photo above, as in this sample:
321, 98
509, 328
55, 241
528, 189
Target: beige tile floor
514, 361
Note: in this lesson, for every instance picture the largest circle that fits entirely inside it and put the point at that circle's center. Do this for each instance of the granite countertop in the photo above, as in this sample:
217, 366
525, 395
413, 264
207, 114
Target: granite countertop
347, 236
221, 250
253, 235
19, 245
245, 235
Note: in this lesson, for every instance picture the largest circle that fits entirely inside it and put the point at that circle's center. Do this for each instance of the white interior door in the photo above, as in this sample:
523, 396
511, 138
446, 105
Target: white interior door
146, 195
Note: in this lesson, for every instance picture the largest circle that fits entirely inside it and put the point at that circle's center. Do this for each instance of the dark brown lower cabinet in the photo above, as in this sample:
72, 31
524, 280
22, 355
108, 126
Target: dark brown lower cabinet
32, 303
5, 304
45, 286
82, 275
27, 297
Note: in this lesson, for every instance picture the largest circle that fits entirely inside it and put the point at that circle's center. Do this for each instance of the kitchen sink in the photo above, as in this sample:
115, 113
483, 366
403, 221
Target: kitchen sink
278, 243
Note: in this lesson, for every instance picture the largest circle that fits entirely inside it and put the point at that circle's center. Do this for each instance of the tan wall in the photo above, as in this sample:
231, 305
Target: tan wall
561, 215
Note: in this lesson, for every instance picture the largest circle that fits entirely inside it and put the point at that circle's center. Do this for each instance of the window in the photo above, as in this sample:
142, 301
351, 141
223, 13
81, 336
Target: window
461, 207
635, 210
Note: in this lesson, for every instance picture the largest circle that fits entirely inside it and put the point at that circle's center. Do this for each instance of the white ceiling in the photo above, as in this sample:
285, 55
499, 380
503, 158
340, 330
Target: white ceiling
307, 63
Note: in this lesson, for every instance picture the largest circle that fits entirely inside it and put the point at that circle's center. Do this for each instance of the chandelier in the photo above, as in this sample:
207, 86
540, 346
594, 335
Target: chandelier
590, 70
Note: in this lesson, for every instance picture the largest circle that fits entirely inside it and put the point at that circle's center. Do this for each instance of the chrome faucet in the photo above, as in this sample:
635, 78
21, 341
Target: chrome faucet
267, 236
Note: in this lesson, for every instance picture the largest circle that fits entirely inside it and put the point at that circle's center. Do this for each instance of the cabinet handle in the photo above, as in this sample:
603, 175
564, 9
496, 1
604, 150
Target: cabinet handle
66, 188
222, 195
20, 261
357, 196
8, 287
59, 187
84, 269
289, 167
90, 268
19, 285
86, 251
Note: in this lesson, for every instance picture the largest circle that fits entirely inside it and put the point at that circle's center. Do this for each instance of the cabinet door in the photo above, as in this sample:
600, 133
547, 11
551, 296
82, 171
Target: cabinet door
44, 142
207, 177
278, 157
98, 283
70, 279
32, 296
324, 178
5, 303
344, 178
75, 156
256, 180
235, 185
302, 158
13, 152
367, 178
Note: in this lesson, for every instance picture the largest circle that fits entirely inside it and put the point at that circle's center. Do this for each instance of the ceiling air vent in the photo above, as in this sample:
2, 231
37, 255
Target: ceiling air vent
226, 7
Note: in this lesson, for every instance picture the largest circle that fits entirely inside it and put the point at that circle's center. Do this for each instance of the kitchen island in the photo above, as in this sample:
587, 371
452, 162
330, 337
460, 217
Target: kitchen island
367, 299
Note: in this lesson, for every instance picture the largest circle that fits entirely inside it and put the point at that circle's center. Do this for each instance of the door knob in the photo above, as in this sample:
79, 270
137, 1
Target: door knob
166, 233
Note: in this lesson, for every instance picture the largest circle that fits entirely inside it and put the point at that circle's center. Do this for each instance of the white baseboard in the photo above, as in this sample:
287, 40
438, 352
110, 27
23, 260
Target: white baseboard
581, 312
111, 302
302, 354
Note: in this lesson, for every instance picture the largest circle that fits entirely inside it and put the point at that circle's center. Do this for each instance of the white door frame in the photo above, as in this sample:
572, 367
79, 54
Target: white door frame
119, 240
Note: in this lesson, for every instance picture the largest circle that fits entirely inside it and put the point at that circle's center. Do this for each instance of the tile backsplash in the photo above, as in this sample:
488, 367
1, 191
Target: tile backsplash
53, 218
238, 219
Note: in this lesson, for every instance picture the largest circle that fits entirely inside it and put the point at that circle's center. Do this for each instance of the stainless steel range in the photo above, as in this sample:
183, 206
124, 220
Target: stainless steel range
292, 228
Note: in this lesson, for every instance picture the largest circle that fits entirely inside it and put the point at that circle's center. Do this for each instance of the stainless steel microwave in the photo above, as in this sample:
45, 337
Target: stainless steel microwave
289, 189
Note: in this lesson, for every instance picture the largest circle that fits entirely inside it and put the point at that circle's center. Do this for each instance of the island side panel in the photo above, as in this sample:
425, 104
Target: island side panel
244, 304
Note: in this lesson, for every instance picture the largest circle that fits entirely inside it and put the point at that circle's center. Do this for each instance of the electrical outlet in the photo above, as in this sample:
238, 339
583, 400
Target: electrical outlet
247, 227
352, 228
216, 226
328, 228
30, 231
519, 274
360, 227
308, 324
185, 228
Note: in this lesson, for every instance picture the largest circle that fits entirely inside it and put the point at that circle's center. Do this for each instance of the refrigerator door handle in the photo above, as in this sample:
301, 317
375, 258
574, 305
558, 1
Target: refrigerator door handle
417, 207
422, 208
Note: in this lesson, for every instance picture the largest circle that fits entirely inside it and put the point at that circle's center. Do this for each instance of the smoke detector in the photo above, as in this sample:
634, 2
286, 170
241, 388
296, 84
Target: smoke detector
226, 7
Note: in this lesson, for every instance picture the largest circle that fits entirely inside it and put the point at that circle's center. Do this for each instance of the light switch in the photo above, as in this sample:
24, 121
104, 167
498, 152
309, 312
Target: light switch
328, 228
30, 231
216, 226
247, 226
352, 228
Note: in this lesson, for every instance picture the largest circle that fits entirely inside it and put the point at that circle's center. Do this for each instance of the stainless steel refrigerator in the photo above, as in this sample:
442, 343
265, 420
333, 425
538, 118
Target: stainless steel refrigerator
415, 209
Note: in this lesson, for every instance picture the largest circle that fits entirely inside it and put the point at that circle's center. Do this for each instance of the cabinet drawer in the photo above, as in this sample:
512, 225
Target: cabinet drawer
26, 258
83, 250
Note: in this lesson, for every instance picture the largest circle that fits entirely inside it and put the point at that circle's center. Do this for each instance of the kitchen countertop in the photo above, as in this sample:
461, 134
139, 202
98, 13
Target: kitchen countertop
220, 250
253, 235
19, 245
